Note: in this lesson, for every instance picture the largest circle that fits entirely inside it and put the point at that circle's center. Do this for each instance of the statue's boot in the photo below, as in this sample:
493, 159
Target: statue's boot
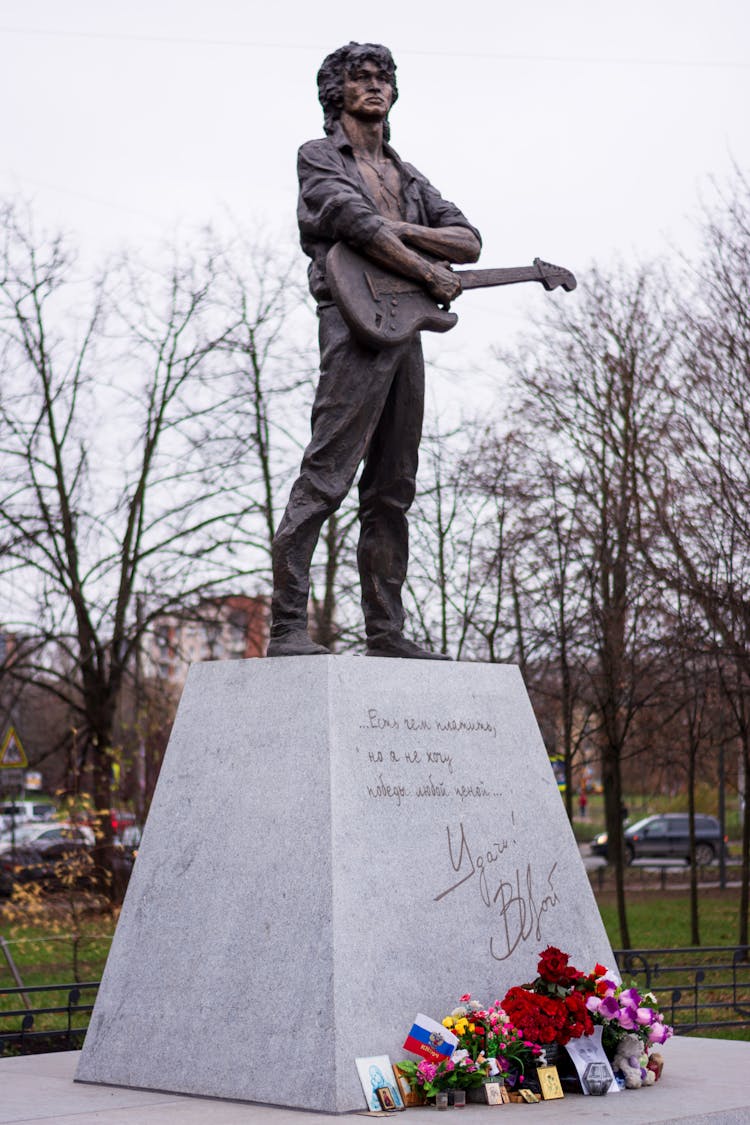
297, 642
401, 648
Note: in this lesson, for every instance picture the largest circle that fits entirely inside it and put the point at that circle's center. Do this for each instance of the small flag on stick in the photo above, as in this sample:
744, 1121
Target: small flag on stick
430, 1039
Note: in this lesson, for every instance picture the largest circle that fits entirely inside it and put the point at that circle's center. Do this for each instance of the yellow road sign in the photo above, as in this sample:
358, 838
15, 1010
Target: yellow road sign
12, 753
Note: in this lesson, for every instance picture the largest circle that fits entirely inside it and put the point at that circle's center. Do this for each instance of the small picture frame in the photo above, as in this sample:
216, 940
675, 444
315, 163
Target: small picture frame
410, 1094
549, 1082
493, 1093
385, 1097
376, 1074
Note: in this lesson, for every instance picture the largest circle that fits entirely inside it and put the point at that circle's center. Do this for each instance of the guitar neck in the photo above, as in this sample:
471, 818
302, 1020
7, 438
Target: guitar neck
482, 279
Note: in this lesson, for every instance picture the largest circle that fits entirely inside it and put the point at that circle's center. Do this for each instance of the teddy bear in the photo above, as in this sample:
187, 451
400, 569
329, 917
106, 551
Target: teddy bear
630, 1061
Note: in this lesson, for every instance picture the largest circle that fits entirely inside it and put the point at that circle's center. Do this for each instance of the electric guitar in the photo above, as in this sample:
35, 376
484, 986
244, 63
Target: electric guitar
383, 309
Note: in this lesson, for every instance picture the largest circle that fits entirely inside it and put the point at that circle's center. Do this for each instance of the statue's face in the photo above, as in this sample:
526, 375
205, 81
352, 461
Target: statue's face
368, 92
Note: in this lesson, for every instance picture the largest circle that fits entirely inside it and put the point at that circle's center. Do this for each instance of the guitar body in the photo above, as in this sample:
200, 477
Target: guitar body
381, 308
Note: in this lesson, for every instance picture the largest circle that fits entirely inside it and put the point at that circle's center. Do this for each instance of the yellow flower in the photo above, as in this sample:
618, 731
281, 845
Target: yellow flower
471, 1027
448, 1022
461, 1026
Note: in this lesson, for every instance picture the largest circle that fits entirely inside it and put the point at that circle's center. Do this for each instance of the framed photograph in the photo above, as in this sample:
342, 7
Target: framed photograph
409, 1094
376, 1075
549, 1080
587, 1050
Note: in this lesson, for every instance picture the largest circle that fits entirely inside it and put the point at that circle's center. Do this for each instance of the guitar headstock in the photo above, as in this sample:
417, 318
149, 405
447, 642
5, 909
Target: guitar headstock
553, 276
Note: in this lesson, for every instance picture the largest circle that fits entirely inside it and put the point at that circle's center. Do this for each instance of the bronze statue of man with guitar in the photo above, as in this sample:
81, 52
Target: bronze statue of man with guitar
380, 239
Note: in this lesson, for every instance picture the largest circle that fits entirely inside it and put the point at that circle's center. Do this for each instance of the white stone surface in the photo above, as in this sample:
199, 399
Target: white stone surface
335, 843
704, 1083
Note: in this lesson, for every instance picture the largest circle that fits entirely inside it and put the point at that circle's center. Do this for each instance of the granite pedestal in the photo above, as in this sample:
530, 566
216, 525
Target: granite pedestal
335, 844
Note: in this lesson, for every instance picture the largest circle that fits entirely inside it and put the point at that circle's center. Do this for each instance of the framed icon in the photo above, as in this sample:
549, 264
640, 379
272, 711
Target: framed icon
385, 1097
376, 1074
493, 1092
549, 1081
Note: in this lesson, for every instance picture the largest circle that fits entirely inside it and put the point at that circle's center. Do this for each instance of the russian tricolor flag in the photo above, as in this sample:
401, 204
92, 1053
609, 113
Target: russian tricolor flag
430, 1039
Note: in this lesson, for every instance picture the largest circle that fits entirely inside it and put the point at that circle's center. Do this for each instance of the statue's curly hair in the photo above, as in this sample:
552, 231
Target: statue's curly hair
332, 72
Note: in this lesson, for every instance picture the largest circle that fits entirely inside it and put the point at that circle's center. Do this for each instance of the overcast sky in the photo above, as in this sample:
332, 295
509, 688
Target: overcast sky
574, 130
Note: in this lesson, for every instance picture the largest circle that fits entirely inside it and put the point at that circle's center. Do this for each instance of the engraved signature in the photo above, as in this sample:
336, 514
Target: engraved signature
520, 905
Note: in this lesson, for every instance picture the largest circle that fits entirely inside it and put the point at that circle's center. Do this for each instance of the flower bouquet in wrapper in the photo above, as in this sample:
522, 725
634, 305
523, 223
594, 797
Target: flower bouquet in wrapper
552, 1009
488, 1048
488, 1035
623, 1013
443, 1066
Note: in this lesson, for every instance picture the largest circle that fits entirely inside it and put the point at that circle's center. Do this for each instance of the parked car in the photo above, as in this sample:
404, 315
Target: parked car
52, 857
46, 833
667, 836
25, 811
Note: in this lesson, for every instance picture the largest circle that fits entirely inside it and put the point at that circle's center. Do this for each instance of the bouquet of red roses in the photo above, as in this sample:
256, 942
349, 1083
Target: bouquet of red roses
552, 1009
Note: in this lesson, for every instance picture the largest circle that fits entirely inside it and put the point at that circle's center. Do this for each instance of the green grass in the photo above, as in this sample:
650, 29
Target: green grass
663, 922
47, 952
659, 921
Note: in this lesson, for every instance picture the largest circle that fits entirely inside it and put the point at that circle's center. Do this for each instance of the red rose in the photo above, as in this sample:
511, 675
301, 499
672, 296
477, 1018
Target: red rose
553, 965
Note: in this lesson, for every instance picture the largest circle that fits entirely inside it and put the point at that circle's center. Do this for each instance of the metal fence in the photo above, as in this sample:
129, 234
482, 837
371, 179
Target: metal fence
698, 988
68, 1021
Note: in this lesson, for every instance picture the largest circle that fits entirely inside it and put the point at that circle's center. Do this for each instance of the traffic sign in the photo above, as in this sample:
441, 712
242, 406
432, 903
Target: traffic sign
12, 753
11, 779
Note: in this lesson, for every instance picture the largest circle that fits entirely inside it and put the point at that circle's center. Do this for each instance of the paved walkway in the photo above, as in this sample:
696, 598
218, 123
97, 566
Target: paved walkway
705, 1080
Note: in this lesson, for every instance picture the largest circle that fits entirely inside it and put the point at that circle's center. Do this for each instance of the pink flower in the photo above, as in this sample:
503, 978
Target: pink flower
645, 1016
609, 1009
427, 1070
465, 998
659, 1032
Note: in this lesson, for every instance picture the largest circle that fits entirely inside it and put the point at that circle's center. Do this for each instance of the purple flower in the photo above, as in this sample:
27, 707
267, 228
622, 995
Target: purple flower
609, 1008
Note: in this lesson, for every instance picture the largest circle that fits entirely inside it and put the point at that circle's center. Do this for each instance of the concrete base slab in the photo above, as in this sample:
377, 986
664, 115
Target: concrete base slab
704, 1083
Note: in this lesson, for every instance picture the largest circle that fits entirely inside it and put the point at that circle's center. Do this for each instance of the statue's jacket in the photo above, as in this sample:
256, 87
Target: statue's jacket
335, 204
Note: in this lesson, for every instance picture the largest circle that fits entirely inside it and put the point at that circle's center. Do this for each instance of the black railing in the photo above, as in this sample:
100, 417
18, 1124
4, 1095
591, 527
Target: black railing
698, 987
26, 1039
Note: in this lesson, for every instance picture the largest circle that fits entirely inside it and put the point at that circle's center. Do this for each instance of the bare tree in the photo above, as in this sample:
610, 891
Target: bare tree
591, 394
698, 490
464, 531
117, 396
556, 606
